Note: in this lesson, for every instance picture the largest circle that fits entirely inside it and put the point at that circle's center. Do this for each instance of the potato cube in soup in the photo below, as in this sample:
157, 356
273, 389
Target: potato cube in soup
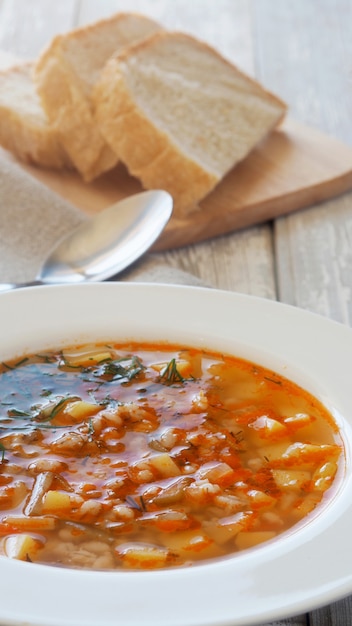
290, 478
273, 452
164, 465
22, 547
188, 542
81, 410
54, 501
265, 428
218, 473
289, 499
298, 421
183, 367
305, 506
250, 539
142, 556
226, 528
85, 358
259, 499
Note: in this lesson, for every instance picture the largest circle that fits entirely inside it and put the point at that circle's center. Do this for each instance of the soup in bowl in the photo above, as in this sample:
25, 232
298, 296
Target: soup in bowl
152, 455
158, 440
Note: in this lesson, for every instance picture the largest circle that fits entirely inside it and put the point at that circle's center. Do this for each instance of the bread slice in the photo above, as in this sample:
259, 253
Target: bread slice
24, 129
180, 116
65, 74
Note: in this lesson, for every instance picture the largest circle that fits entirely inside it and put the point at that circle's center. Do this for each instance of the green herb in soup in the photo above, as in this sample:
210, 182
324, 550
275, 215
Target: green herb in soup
152, 456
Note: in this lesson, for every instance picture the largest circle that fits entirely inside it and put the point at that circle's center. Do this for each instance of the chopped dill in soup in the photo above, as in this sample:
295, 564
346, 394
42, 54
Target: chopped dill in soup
150, 456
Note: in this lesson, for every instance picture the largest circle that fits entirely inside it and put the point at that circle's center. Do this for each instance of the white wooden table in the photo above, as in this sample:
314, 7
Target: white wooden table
302, 50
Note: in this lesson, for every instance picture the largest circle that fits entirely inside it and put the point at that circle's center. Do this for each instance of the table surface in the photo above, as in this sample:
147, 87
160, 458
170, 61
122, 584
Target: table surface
300, 49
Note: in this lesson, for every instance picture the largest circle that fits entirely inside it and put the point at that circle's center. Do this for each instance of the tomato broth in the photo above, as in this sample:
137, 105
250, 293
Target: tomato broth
146, 456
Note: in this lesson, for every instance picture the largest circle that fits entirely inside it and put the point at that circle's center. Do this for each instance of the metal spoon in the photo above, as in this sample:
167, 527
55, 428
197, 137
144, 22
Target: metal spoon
106, 244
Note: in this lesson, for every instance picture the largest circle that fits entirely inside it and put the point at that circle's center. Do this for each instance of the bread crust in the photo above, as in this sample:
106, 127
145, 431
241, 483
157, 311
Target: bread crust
71, 117
145, 149
67, 104
149, 151
27, 136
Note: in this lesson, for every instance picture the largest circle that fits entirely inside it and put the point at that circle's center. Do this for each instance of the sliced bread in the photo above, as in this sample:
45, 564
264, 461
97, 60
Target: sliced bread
181, 116
65, 74
24, 129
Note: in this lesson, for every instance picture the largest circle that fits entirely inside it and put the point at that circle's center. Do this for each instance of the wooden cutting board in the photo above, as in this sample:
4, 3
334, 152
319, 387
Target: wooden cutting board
295, 167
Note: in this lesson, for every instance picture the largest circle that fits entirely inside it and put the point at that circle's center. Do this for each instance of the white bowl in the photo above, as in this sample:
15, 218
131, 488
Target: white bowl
303, 569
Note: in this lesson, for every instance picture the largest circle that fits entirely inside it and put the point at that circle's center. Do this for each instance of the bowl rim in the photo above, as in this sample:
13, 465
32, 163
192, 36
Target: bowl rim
300, 345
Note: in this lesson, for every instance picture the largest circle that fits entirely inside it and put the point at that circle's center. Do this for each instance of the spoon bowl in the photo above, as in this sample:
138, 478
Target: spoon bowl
106, 244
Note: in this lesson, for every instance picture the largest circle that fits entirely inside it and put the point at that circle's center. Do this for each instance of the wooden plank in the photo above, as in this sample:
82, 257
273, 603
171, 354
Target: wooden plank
337, 614
313, 249
300, 620
246, 262
302, 50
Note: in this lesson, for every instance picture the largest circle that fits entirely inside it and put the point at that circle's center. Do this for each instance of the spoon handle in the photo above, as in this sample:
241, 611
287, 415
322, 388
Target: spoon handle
10, 286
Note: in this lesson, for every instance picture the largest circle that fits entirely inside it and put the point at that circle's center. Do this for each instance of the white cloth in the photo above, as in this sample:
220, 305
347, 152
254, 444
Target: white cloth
33, 218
